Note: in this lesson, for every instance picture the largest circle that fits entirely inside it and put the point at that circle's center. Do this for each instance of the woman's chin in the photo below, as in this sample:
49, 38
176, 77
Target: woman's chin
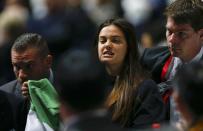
106, 61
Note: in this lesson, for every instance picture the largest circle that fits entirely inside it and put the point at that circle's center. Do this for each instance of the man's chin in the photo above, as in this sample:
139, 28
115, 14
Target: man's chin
174, 53
21, 81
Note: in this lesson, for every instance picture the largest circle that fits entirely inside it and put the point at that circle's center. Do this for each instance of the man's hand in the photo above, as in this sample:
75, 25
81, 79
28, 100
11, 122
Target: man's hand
24, 90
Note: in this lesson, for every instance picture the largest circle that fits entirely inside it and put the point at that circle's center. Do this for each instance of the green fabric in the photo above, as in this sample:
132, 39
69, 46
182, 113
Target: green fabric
44, 101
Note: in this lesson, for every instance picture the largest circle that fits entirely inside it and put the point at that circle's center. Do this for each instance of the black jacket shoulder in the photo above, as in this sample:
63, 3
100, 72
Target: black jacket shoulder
151, 108
12, 113
153, 60
12, 87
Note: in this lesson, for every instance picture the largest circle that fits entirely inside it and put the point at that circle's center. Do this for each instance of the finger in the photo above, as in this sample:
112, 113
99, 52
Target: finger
24, 88
25, 84
25, 94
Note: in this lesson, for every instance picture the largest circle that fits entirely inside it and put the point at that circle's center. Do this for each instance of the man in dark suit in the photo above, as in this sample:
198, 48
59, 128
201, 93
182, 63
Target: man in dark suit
184, 34
82, 89
31, 60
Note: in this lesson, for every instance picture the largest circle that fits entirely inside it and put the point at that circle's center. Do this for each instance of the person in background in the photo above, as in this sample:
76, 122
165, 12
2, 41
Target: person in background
187, 95
65, 25
12, 23
31, 60
81, 84
134, 100
184, 34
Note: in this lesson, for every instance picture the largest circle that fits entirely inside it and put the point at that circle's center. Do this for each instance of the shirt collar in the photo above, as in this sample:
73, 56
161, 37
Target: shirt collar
195, 59
51, 76
198, 56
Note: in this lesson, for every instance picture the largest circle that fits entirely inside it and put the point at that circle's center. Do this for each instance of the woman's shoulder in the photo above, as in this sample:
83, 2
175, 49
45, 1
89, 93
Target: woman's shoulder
147, 86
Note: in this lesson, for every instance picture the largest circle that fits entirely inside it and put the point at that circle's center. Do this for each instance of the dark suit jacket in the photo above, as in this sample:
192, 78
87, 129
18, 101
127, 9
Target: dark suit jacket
11, 112
18, 104
93, 123
6, 114
151, 109
154, 59
12, 87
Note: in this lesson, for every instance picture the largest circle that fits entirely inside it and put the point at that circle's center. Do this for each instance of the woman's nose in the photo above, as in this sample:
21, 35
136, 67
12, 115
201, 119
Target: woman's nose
108, 45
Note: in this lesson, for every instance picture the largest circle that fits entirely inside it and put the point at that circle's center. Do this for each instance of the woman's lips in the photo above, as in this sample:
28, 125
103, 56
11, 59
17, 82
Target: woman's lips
108, 54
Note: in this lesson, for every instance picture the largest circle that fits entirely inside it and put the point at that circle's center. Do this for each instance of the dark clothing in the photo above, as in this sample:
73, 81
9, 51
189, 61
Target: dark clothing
19, 104
92, 122
163, 127
154, 59
6, 114
12, 87
12, 114
149, 107
152, 108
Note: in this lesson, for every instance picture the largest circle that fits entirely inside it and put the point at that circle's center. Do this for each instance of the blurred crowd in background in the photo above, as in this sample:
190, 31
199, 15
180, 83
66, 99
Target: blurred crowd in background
69, 24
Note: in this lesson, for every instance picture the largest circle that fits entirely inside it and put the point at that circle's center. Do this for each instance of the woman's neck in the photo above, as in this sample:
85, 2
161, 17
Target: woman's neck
113, 70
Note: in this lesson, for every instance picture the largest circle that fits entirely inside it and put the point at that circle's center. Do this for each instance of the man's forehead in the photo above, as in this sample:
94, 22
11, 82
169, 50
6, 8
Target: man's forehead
29, 51
179, 27
25, 56
22, 62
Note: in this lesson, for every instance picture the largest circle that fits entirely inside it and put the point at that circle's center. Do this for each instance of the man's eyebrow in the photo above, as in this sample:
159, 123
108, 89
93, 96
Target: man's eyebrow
116, 36
28, 61
178, 30
23, 62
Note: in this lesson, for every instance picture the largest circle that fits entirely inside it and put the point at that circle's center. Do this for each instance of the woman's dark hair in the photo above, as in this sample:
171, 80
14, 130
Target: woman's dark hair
122, 96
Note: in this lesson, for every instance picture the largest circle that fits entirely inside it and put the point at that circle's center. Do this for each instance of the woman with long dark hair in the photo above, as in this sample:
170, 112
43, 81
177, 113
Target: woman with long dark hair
134, 100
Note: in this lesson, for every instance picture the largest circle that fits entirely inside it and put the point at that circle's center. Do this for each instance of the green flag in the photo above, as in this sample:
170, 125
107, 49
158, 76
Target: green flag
44, 111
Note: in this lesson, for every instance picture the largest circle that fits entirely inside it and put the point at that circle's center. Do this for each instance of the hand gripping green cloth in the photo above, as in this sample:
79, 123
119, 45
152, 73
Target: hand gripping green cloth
44, 106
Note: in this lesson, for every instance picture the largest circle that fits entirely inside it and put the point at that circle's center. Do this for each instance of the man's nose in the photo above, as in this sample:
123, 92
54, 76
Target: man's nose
22, 74
173, 39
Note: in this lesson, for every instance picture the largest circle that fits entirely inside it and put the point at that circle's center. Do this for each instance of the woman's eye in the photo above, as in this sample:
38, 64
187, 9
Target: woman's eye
102, 41
116, 40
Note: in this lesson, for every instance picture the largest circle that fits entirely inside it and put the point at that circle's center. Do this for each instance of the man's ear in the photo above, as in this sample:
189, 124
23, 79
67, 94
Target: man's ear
49, 61
201, 34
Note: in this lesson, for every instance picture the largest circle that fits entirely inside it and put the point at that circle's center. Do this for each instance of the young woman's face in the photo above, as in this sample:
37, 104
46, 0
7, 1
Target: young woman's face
112, 46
